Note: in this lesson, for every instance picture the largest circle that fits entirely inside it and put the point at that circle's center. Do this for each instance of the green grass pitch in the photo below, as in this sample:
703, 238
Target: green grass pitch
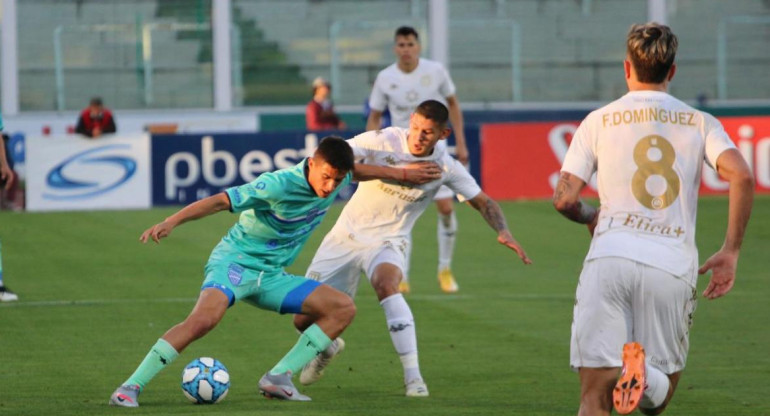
93, 300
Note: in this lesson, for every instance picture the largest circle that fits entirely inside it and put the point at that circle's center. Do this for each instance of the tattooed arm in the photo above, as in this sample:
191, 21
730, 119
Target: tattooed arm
492, 213
566, 200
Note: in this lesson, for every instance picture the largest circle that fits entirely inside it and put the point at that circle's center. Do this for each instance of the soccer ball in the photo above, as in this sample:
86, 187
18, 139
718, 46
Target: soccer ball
205, 380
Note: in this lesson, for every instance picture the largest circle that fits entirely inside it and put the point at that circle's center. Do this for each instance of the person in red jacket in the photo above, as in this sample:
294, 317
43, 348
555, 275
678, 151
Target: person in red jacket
319, 114
95, 120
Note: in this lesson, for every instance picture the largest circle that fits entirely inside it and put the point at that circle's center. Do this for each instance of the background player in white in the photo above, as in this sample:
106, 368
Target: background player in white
638, 282
372, 234
400, 88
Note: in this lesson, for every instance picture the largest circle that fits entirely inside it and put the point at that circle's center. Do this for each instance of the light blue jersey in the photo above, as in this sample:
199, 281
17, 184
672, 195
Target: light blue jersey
1, 122
279, 210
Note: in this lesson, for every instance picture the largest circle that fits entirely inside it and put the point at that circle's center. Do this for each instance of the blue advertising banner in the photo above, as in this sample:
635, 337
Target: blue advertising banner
188, 167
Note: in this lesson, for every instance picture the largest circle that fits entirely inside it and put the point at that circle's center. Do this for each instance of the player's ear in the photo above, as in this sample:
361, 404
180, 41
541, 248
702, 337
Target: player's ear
627, 68
671, 72
445, 133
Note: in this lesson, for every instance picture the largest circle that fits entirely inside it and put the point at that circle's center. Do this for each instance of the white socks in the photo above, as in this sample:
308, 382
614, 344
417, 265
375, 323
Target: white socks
446, 231
402, 333
656, 390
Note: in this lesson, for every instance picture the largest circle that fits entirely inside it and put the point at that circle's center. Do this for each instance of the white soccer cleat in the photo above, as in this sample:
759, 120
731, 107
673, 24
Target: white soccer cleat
313, 370
6, 295
416, 388
279, 386
125, 396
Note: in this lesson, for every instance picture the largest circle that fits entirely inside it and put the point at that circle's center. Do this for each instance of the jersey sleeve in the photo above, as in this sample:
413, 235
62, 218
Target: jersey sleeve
717, 140
364, 144
258, 194
580, 159
447, 87
378, 100
460, 180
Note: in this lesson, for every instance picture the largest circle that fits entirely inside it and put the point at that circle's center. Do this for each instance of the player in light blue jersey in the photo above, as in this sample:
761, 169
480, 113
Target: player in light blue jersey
6, 180
279, 210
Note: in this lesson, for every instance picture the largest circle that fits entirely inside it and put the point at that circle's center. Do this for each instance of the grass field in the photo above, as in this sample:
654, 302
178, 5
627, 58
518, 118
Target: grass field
93, 300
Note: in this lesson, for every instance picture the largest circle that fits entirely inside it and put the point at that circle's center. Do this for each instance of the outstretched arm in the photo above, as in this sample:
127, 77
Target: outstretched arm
490, 210
374, 121
198, 209
6, 174
415, 173
723, 264
566, 200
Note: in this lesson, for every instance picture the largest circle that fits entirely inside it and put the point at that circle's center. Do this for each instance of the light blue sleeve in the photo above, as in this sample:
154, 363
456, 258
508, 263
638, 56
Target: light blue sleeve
258, 194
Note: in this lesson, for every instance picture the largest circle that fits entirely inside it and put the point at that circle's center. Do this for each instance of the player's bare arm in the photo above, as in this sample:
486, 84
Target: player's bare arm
491, 212
6, 174
733, 168
194, 211
415, 173
566, 200
374, 121
456, 118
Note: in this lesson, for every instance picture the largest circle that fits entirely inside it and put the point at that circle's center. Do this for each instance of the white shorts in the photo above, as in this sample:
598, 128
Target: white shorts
620, 300
444, 193
340, 261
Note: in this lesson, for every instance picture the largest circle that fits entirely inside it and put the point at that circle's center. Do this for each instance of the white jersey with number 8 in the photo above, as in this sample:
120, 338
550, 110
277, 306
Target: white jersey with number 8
647, 149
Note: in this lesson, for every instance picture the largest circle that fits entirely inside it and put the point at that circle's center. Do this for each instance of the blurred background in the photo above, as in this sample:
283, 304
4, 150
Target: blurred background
246, 66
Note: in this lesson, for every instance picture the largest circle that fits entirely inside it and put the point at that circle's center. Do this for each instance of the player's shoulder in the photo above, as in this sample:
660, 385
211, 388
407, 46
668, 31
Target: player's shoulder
389, 71
430, 64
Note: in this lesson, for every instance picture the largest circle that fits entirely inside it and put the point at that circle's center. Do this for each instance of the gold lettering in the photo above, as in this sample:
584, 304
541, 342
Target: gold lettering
652, 113
689, 121
639, 116
616, 118
627, 117
682, 117
663, 115
605, 119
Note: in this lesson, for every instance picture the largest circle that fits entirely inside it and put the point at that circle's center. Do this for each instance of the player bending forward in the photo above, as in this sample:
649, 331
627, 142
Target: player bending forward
279, 211
373, 231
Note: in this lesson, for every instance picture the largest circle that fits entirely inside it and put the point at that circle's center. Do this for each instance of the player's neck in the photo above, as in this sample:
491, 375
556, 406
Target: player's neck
406, 67
642, 86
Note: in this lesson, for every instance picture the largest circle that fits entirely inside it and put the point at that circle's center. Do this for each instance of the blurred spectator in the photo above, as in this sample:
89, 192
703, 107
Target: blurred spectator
95, 120
8, 178
320, 114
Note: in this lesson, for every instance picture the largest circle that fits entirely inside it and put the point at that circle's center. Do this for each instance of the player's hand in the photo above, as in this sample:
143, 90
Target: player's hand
6, 175
462, 154
505, 238
156, 232
722, 265
421, 172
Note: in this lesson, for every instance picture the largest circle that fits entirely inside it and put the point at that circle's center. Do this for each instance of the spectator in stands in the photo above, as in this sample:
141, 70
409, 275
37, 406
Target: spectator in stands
95, 120
319, 114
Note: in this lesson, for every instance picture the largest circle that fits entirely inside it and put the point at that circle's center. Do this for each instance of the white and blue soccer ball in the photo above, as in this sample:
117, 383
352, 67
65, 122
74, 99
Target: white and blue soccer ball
205, 381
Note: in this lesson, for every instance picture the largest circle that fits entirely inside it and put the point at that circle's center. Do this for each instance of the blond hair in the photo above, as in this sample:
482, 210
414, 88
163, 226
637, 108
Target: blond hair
651, 48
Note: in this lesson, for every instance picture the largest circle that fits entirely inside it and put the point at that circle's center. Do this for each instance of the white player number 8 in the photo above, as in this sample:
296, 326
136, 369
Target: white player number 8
654, 155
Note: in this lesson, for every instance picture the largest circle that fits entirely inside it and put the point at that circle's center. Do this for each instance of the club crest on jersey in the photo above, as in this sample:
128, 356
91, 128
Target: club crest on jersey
260, 185
425, 80
235, 273
412, 96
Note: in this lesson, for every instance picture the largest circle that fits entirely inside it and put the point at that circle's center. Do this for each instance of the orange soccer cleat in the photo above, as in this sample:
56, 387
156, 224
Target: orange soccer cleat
630, 386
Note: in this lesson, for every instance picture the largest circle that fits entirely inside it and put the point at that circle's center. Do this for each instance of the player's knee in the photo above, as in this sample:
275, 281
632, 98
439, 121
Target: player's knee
345, 311
445, 207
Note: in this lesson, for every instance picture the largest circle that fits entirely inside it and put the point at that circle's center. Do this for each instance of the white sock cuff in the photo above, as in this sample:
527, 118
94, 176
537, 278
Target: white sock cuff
656, 390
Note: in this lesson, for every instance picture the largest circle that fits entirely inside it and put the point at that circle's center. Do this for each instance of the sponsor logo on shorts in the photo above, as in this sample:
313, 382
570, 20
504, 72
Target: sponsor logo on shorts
235, 273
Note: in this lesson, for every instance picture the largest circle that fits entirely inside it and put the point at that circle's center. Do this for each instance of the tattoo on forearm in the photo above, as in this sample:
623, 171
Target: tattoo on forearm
577, 211
494, 215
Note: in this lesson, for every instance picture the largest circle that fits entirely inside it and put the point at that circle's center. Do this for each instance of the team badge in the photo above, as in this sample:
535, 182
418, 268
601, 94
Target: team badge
425, 80
235, 273
412, 96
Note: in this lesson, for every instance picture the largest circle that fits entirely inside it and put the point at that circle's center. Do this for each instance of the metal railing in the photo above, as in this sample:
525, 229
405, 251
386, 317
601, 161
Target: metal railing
143, 34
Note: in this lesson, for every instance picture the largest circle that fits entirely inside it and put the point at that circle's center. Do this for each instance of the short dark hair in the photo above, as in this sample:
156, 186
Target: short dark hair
406, 31
433, 110
335, 151
96, 101
651, 48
